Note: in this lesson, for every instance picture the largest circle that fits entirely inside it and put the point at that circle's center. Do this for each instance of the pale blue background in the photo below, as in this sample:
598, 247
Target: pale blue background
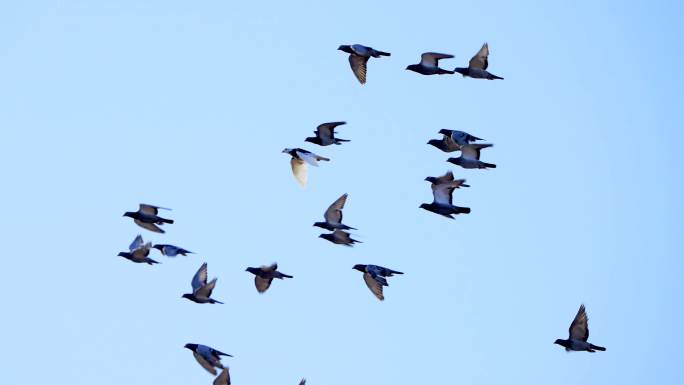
187, 104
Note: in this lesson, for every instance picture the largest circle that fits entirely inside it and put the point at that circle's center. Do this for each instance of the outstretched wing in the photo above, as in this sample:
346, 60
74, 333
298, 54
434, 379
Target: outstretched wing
200, 278
149, 226
358, 66
137, 242
262, 284
333, 214
150, 209
299, 171
374, 286
223, 378
579, 329
480, 58
431, 59
204, 363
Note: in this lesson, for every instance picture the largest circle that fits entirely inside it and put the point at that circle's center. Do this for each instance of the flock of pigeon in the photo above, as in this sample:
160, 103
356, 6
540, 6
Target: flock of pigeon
374, 276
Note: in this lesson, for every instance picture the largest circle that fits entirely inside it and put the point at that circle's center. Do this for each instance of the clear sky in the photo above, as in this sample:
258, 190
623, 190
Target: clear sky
188, 104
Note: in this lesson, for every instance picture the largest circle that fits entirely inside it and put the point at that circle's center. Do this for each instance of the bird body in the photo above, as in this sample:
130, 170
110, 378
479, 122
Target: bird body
325, 134
375, 278
171, 250
340, 237
460, 138
264, 275
147, 218
208, 357
298, 163
201, 289
429, 64
470, 156
579, 335
139, 251
358, 58
477, 66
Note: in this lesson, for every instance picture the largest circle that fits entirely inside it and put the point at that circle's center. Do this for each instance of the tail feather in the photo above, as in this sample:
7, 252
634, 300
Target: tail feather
285, 276
488, 165
492, 77
338, 141
461, 210
164, 220
211, 300
151, 261
323, 158
383, 53
601, 348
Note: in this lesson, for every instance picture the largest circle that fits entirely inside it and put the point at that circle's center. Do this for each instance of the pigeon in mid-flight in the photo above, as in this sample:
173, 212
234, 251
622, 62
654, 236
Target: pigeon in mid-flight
579, 334
299, 160
223, 378
201, 290
138, 251
375, 278
325, 134
171, 250
477, 67
442, 190
147, 218
470, 156
358, 58
459, 137
445, 144
340, 237
264, 275
208, 357
429, 64
333, 216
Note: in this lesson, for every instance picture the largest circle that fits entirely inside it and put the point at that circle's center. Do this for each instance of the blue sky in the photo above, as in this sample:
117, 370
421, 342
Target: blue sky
187, 104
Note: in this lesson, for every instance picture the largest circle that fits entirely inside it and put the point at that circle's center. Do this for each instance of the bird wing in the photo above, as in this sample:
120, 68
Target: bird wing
149, 226
171, 250
374, 286
299, 171
262, 284
223, 378
441, 193
342, 236
358, 66
431, 59
150, 209
448, 177
579, 329
472, 150
205, 290
308, 157
204, 363
480, 58
303, 381
137, 242
200, 278
333, 214
142, 251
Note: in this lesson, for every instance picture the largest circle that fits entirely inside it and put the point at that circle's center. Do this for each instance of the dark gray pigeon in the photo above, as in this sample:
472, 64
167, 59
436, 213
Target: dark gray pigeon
470, 156
147, 218
299, 160
579, 334
340, 237
429, 64
442, 190
223, 378
333, 216
375, 278
358, 58
138, 251
459, 137
171, 250
264, 275
201, 290
209, 358
477, 67
445, 144
325, 134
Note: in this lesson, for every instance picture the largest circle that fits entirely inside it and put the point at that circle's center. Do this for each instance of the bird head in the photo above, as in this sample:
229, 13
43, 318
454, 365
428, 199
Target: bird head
462, 71
431, 179
253, 270
192, 347
158, 247
129, 214
456, 161
320, 224
121, 254
345, 48
413, 67
360, 267
311, 139
446, 132
287, 150
425, 206
435, 142
188, 296
563, 343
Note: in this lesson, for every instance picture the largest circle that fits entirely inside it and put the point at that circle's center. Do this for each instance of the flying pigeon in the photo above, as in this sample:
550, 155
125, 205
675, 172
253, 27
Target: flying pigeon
325, 134
478, 65
138, 251
429, 64
223, 378
209, 358
442, 190
299, 160
470, 156
171, 250
264, 276
579, 334
146, 217
358, 58
201, 290
303, 381
340, 237
459, 137
333, 216
375, 278
445, 144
